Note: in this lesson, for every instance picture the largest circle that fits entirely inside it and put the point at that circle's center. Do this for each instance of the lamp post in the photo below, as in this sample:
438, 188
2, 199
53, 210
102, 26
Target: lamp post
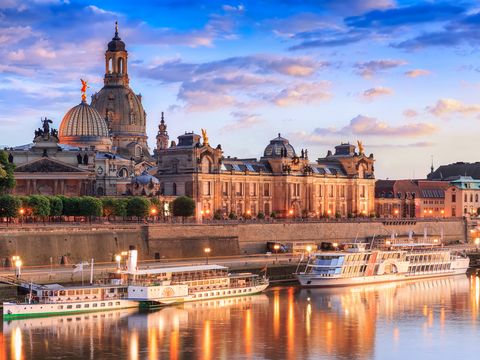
276, 247
388, 243
153, 212
335, 246
22, 212
18, 265
396, 212
290, 212
207, 251
118, 259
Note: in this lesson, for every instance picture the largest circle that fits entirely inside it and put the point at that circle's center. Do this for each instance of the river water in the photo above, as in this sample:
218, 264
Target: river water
430, 319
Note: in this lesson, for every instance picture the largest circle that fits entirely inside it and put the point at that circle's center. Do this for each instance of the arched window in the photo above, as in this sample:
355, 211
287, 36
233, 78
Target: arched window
123, 173
121, 66
476, 197
471, 197
174, 189
109, 66
206, 165
100, 191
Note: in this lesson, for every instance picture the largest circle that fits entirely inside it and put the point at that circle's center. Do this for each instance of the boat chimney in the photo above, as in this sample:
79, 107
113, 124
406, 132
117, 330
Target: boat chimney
132, 259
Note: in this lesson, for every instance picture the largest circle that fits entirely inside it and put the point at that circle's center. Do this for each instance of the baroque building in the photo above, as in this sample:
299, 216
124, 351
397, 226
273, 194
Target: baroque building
99, 149
281, 181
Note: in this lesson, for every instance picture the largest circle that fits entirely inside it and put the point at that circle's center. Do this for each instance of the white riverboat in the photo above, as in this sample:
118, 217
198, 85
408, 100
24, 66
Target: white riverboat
155, 287
58, 300
356, 265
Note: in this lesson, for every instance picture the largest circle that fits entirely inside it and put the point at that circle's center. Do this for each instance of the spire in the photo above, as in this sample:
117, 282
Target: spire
431, 167
116, 31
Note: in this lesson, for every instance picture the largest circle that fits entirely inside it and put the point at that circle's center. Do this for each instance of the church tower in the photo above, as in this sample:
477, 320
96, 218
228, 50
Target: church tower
162, 135
120, 106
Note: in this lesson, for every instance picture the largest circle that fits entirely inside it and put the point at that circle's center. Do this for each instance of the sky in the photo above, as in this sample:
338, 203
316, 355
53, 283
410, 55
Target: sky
400, 76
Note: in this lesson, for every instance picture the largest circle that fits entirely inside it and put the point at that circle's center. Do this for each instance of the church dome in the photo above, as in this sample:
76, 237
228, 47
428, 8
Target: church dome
83, 126
116, 44
279, 147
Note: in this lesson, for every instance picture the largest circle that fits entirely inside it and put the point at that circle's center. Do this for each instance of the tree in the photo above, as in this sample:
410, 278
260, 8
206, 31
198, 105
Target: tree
70, 205
260, 215
7, 178
121, 207
183, 206
56, 206
217, 215
114, 207
89, 206
39, 205
138, 206
9, 206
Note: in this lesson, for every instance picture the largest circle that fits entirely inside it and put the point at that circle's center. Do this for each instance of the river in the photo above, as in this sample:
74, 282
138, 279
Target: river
429, 319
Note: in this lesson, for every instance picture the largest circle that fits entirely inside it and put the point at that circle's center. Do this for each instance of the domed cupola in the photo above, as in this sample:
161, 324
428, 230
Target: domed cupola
83, 126
278, 148
116, 44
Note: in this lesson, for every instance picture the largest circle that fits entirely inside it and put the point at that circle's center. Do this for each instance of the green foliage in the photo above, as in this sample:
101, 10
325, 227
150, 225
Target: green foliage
70, 205
338, 215
9, 206
350, 216
39, 205
232, 216
56, 206
261, 215
273, 214
89, 206
372, 215
108, 205
121, 207
183, 206
7, 178
218, 215
137, 206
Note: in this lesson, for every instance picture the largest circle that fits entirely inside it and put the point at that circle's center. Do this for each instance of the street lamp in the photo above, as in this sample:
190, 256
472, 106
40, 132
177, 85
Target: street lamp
388, 243
153, 212
18, 265
290, 212
442, 212
309, 249
335, 245
276, 247
207, 251
477, 242
118, 259
396, 212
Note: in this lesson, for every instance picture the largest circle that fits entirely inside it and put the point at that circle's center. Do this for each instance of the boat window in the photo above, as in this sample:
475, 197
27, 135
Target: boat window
94, 305
102, 305
86, 292
110, 304
87, 305
111, 290
117, 303
60, 307
78, 306
71, 292
78, 292
94, 291
69, 306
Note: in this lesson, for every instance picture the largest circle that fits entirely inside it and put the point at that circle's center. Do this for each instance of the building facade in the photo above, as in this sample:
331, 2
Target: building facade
410, 198
462, 197
281, 181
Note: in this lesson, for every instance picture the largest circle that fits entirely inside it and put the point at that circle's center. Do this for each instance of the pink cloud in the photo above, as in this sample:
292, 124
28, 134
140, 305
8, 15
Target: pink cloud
375, 92
417, 72
445, 107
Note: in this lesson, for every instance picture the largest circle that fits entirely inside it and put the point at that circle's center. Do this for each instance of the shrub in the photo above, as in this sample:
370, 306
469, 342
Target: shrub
89, 206
138, 206
39, 205
183, 206
217, 215
261, 215
9, 206
232, 216
56, 206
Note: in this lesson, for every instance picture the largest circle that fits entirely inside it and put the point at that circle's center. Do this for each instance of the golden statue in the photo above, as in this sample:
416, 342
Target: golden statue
84, 90
361, 149
205, 137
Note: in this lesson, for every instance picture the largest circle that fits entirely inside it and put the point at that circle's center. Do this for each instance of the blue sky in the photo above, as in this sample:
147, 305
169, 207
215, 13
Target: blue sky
402, 76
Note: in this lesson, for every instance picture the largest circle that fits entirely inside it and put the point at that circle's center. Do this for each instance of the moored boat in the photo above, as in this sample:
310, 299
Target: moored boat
357, 265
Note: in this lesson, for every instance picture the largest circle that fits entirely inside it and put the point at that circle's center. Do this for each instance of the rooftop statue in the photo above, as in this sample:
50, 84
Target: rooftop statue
361, 149
84, 90
205, 137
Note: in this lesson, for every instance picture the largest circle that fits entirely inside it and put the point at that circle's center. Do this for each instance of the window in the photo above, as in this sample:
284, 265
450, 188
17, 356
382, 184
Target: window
330, 192
94, 305
207, 188
252, 189
465, 198
296, 189
86, 305
78, 306
225, 188
174, 189
239, 189
320, 189
266, 189
454, 198
476, 197
266, 208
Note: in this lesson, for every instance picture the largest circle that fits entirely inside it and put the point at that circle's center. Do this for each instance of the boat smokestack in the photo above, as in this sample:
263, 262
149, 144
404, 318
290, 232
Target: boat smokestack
132, 260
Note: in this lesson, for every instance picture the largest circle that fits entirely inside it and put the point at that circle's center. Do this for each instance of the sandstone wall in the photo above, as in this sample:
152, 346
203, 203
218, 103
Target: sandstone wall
37, 245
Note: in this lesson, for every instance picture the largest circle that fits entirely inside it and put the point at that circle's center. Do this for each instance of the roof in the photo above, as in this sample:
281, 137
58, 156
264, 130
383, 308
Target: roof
177, 269
410, 187
455, 170
250, 165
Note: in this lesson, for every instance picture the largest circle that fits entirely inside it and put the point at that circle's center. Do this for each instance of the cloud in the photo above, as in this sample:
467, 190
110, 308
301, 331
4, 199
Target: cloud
410, 113
371, 68
303, 93
445, 107
375, 92
399, 16
242, 120
417, 72
369, 126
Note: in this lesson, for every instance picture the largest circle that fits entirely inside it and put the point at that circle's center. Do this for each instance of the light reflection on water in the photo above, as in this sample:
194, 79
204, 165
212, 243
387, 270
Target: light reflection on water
432, 319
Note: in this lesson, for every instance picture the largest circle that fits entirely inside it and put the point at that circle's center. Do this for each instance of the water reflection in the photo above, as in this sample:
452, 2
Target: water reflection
438, 317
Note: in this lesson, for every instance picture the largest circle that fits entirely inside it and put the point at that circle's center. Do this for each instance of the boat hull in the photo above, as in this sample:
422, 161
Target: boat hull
205, 295
307, 280
21, 310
